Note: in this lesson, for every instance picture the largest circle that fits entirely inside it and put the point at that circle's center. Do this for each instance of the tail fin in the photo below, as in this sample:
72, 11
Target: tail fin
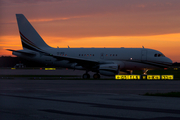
29, 37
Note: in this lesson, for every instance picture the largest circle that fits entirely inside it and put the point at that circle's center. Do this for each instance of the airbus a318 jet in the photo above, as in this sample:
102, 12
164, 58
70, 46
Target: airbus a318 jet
104, 61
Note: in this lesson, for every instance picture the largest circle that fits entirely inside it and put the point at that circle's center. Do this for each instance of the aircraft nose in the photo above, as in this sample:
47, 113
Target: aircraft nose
169, 61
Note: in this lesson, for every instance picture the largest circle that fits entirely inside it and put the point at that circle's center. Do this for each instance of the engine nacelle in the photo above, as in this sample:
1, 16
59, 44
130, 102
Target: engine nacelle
109, 69
74, 66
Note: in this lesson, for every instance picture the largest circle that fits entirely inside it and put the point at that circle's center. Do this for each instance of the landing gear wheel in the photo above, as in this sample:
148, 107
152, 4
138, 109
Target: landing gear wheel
96, 76
86, 76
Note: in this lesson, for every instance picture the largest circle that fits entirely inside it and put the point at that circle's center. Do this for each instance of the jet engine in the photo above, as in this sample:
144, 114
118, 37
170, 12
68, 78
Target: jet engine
109, 69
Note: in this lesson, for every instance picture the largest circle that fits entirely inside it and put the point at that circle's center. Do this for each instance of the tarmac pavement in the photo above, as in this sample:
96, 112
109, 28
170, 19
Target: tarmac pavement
28, 99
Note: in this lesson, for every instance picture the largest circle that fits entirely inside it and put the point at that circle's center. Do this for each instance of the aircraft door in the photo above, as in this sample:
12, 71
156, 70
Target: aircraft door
144, 55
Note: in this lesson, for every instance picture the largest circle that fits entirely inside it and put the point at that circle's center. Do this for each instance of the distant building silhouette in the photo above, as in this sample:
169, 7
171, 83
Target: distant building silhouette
176, 64
8, 61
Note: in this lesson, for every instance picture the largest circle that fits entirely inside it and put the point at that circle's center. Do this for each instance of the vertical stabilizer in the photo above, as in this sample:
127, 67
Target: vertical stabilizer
29, 37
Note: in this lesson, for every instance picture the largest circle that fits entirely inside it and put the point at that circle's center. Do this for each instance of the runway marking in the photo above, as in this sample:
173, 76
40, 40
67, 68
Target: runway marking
104, 105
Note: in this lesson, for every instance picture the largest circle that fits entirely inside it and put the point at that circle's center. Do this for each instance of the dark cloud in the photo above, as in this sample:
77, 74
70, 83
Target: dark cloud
96, 17
96, 6
69, 8
27, 1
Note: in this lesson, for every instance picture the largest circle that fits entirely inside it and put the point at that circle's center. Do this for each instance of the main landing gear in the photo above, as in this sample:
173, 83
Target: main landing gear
87, 76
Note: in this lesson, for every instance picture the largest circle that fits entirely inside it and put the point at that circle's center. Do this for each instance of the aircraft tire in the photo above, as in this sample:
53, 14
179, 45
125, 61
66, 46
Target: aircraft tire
86, 76
96, 76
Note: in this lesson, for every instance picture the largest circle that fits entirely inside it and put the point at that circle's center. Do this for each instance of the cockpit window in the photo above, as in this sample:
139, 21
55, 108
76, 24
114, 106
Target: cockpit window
162, 55
159, 55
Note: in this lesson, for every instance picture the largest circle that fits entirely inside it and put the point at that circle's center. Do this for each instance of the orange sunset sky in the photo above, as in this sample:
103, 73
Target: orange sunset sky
153, 24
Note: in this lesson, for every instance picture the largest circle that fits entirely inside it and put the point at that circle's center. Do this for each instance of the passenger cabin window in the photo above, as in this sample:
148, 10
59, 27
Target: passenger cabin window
112, 55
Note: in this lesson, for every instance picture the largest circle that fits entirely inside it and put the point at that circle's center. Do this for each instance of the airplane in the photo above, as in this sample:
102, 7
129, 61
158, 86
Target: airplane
102, 61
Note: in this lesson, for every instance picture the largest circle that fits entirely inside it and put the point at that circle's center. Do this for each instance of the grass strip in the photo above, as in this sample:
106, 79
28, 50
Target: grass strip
176, 73
39, 76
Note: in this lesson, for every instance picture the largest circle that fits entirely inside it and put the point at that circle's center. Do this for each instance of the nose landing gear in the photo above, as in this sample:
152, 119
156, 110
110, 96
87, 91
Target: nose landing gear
145, 71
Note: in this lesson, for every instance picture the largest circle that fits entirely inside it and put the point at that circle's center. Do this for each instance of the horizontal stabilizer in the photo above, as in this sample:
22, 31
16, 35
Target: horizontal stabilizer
23, 52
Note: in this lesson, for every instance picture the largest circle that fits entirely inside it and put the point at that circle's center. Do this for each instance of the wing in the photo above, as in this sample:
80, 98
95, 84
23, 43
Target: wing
86, 63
